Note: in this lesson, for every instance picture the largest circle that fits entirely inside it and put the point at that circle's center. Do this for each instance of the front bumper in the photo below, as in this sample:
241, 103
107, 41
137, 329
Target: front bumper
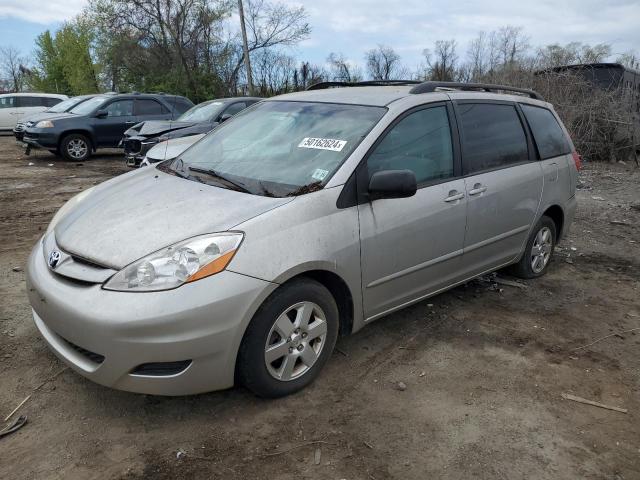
41, 139
135, 149
106, 335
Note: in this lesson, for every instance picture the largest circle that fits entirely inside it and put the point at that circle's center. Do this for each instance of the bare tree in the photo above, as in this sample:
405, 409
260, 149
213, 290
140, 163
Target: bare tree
12, 67
342, 70
442, 61
383, 63
510, 44
477, 62
629, 59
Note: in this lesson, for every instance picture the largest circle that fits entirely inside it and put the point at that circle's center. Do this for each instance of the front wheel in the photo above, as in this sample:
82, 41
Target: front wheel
289, 339
75, 147
538, 251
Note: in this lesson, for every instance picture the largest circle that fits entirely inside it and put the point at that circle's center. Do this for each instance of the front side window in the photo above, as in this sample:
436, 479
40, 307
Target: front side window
279, 148
549, 137
32, 101
7, 102
420, 142
121, 108
492, 136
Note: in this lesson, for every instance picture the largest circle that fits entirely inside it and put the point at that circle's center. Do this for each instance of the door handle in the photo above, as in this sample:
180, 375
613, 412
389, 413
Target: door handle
477, 189
454, 196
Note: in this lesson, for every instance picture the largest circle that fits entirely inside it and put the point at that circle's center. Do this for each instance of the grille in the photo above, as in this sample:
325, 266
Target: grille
92, 356
132, 146
161, 369
19, 127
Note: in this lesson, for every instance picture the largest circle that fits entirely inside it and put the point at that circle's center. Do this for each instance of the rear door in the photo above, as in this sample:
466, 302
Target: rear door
412, 246
503, 183
109, 130
554, 153
8, 112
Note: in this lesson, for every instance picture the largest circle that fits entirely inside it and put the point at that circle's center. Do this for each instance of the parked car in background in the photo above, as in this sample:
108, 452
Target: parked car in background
169, 149
309, 216
100, 122
31, 120
202, 118
16, 106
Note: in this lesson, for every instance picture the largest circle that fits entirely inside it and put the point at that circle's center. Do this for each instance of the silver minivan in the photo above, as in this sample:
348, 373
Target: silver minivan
304, 217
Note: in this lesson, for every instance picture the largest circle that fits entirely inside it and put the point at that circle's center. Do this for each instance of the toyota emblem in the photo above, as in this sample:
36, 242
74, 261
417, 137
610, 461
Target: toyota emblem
54, 258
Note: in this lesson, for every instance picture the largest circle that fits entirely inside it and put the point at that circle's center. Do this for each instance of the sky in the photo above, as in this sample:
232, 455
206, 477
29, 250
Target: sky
409, 26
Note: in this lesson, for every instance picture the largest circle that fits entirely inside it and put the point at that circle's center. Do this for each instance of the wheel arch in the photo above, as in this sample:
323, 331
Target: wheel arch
555, 213
340, 291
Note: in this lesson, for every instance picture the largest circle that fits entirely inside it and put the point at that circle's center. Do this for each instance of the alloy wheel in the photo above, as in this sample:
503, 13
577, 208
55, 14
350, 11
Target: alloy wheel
77, 148
295, 341
541, 250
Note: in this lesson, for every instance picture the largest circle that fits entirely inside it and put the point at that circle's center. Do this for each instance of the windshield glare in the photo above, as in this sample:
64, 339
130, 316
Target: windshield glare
64, 105
280, 148
88, 106
203, 112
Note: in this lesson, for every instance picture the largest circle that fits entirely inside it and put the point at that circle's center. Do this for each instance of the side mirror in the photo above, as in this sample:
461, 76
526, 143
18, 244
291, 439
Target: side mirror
392, 184
102, 114
225, 117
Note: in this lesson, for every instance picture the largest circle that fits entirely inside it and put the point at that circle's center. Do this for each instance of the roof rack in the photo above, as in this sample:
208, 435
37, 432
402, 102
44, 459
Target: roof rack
427, 87
367, 83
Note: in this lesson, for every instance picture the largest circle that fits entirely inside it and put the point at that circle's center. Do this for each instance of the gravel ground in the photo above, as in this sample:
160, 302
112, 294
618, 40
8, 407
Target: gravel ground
467, 384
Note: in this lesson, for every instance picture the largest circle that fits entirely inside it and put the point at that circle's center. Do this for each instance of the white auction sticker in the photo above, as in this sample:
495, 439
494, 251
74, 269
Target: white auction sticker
323, 144
319, 174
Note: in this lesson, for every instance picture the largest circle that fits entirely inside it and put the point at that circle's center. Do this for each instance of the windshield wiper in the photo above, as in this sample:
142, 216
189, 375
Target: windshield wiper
212, 173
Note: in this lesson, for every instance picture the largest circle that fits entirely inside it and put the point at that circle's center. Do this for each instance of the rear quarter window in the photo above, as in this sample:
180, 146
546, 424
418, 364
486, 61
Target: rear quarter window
492, 136
547, 134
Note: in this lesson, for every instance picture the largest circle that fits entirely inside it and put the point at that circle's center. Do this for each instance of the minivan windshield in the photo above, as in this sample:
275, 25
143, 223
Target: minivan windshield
88, 106
203, 112
278, 148
65, 105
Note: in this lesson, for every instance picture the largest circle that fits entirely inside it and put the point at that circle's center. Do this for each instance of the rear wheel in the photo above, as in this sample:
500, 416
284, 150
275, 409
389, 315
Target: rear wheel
75, 147
539, 250
289, 339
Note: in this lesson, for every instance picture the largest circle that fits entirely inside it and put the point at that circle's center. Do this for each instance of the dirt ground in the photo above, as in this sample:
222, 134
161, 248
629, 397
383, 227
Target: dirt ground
484, 369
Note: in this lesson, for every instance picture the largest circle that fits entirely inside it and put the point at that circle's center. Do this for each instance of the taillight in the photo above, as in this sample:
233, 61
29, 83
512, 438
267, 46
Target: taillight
577, 160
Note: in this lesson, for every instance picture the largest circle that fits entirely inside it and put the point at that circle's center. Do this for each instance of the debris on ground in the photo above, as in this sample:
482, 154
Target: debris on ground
180, 453
617, 334
316, 456
401, 386
17, 269
573, 398
20, 422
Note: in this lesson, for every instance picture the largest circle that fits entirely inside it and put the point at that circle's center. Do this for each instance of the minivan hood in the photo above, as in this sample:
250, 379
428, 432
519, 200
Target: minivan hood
143, 211
36, 117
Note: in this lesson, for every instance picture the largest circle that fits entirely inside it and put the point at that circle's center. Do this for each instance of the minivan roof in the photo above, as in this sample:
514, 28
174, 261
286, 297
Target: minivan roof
382, 96
30, 94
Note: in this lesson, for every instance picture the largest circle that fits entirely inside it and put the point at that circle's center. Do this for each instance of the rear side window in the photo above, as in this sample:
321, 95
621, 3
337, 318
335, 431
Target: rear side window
492, 136
7, 102
235, 108
148, 107
32, 101
420, 142
120, 108
179, 104
549, 137
51, 101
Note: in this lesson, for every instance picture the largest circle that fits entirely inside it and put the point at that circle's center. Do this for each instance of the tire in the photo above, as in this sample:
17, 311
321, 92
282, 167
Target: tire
297, 352
75, 147
544, 233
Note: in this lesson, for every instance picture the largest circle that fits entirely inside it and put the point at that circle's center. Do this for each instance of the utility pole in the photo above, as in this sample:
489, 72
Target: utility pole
245, 45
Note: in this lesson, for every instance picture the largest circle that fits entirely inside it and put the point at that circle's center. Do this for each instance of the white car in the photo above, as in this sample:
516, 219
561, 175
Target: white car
169, 149
16, 106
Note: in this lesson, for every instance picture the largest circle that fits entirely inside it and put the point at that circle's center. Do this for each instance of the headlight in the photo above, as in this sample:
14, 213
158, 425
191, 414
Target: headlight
44, 124
64, 209
178, 264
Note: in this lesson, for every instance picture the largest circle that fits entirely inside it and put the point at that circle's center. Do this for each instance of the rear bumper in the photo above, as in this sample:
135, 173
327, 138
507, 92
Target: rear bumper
569, 214
105, 336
